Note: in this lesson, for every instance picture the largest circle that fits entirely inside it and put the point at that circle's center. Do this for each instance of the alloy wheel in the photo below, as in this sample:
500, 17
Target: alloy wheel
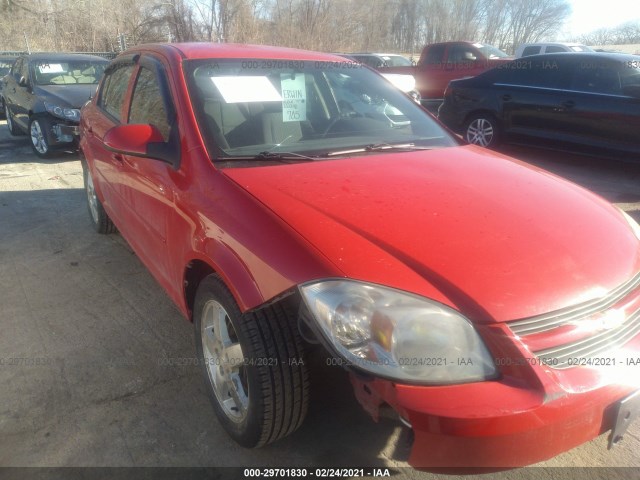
224, 361
480, 132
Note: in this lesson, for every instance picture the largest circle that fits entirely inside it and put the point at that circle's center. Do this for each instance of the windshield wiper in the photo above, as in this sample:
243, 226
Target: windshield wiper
271, 156
378, 147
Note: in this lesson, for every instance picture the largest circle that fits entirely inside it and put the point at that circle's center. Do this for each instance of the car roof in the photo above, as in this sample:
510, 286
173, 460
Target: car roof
376, 54
548, 44
203, 50
62, 57
583, 57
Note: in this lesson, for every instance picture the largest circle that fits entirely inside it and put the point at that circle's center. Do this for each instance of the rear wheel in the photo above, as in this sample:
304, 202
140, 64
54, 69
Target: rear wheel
13, 128
99, 218
482, 129
253, 366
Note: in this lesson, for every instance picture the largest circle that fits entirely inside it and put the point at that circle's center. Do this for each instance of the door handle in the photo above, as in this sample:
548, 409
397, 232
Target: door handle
569, 104
506, 98
117, 157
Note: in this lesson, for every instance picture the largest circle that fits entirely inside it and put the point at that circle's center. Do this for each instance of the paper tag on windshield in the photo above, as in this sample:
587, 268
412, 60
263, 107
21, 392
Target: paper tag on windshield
246, 89
294, 97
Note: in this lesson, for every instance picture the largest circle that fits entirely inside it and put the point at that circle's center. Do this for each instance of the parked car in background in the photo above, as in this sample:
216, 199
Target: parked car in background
528, 49
285, 210
6, 61
403, 81
381, 60
43, 94
442, 62
583, 101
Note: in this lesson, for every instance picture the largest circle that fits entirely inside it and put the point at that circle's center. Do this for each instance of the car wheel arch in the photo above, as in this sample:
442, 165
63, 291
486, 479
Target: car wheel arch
482, 111
232, 272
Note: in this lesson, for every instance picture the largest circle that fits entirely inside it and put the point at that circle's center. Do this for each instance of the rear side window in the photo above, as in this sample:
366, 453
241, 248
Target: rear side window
595, 78
114, 90
541, 73
531, 50
147, 105
461, 54
15, 70
435, 55
555, 49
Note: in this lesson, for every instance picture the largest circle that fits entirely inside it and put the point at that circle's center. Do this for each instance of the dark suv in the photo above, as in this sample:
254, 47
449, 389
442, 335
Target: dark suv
43, 94
584, 101
6, 61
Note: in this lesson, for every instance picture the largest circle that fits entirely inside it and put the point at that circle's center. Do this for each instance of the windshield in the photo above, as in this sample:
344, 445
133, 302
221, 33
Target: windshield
490, 51
312, 108
68, 72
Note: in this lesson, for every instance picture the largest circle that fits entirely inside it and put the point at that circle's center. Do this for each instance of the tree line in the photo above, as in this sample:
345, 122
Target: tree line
325, 25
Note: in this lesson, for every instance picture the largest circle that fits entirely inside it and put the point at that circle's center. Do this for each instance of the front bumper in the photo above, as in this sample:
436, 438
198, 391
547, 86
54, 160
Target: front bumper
62, 132
525, 417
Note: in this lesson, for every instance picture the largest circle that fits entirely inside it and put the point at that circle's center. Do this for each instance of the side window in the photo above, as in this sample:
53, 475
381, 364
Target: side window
597, 79
530, 50
540, 73
435, 55
554, 49
461, 54
147, 105
114, 90
15, 70
24, 70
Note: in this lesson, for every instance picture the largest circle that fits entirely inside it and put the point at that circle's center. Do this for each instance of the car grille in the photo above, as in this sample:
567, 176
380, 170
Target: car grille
600, 342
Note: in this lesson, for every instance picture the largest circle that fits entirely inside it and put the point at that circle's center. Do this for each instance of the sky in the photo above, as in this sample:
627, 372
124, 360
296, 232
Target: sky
590, 15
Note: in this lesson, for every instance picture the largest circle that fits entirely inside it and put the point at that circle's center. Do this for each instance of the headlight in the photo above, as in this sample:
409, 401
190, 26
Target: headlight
398, 335
632, 223
65, 113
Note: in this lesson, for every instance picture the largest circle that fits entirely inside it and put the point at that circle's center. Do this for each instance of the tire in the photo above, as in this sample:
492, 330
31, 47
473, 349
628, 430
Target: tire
483, 129
253, 366
99, 218
38, 127
11, 125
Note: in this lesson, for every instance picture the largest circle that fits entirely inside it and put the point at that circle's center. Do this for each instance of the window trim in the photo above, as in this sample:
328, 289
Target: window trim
582, 92
127, 60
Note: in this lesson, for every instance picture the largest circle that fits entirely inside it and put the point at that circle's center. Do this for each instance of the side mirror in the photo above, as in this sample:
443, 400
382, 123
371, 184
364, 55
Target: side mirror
23, 82
631, 91
144, 141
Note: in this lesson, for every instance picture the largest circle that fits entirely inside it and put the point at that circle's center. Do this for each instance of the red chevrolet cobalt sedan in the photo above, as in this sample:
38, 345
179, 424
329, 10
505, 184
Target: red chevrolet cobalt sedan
285, 198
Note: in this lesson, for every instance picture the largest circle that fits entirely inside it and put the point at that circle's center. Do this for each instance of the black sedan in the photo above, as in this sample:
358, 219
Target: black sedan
43, 94
580, 101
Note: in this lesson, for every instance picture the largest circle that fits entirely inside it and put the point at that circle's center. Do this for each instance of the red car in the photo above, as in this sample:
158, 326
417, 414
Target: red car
286, 198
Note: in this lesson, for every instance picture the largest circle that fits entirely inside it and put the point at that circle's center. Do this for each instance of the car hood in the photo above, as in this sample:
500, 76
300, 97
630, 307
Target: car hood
73, 96
486, 234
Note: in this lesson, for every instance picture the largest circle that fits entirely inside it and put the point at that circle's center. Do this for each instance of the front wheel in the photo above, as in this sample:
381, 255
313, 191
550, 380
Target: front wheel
482, 129
39, 139
253, 366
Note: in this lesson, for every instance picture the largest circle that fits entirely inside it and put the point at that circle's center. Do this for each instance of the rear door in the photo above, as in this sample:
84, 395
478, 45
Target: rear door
99, 118
602, 115
532, 91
